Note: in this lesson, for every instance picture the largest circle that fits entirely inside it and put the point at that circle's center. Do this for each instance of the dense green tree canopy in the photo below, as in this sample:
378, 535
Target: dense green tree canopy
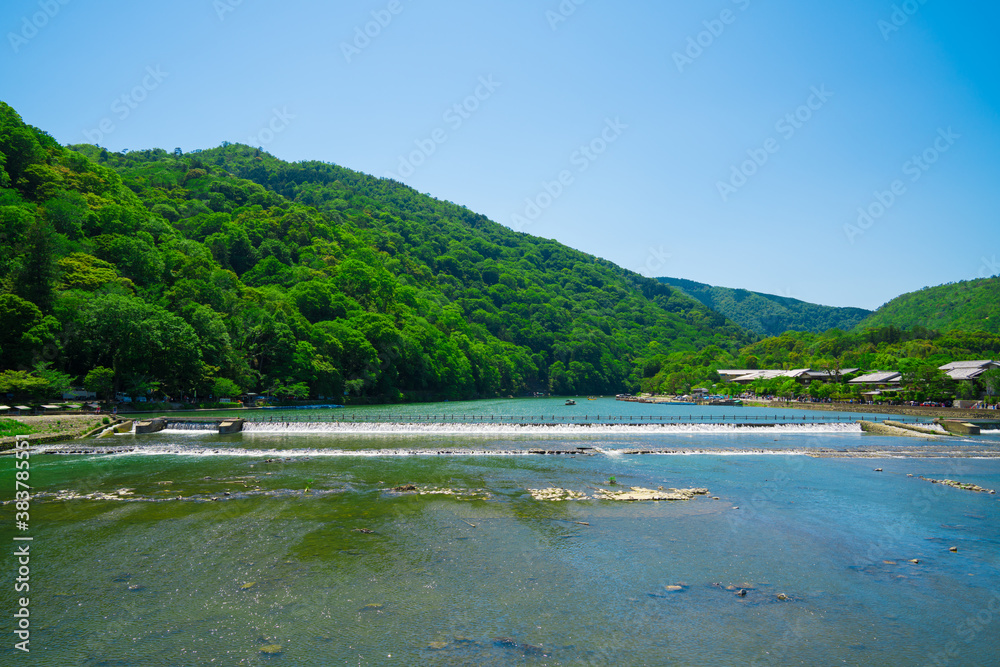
969, 305
177, 271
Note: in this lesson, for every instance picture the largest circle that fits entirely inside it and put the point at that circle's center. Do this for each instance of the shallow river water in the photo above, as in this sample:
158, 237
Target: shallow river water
306, 541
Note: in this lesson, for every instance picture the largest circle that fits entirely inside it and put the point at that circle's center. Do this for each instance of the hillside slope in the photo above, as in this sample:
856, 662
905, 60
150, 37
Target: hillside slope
228, 270
970, 305
768, 314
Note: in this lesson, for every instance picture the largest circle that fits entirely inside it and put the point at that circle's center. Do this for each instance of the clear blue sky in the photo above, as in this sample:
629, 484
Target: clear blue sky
622, 122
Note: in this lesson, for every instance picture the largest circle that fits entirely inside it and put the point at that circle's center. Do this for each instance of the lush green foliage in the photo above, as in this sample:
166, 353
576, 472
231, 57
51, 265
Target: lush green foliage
9, 427
231, 269
990, 380
970, 305
38, 384
767, 314
101, 381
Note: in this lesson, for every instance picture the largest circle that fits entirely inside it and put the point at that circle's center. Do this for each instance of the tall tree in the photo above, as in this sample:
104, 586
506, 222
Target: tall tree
34, 282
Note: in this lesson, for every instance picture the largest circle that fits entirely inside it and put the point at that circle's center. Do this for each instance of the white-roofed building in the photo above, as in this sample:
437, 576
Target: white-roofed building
879, 379
968, 370
831, 374
728, 375
760, 375
804, 375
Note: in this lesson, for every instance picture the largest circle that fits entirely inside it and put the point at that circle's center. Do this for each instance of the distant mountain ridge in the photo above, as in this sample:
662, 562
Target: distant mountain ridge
970, 305
769, 314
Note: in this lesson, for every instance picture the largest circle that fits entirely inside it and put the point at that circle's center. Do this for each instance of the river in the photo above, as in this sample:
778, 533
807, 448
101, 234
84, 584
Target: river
308, 540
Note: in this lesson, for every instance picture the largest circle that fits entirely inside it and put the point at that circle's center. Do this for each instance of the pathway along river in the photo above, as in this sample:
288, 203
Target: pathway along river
306, 541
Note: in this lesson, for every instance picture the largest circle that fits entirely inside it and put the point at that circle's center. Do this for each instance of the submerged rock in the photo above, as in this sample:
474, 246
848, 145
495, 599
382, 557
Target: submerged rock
271, 649
965, 486
638, 493
439, 491
525, 648
531, 649
556, 494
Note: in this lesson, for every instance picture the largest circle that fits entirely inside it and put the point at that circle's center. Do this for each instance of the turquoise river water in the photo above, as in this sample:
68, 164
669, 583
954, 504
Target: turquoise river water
403, 538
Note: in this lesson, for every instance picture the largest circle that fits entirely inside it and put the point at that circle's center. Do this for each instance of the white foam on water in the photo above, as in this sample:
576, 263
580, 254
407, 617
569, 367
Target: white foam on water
734, 452
497, 429
280, 454
191, 426
188, 432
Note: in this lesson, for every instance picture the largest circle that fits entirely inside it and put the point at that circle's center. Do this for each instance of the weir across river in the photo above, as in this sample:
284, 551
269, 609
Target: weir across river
223, 426
232, 425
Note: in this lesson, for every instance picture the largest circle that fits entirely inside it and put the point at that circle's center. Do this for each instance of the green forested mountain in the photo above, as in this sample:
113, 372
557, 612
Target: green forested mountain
767, 314
970, 305
228, 270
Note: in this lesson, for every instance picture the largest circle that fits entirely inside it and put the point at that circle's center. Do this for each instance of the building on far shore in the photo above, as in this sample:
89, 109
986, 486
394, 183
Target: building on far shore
761, 375
833, 374
874, 382
968, 370
729, 375
879, 379
804, 375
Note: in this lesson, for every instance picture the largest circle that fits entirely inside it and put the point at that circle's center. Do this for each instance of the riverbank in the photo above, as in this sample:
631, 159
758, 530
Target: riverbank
50, 428
909, 410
